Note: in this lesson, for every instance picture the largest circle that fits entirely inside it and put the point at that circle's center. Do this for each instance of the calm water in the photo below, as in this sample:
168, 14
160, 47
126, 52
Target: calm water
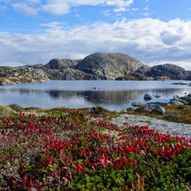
114, 95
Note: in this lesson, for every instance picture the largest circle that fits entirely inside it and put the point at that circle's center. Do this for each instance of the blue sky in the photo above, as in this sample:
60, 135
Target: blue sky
154, 31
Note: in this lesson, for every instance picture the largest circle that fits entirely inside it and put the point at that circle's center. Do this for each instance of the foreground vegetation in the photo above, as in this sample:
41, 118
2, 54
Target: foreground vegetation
80, 150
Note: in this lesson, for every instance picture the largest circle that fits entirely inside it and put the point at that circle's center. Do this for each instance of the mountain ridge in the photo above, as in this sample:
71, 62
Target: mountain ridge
96, 66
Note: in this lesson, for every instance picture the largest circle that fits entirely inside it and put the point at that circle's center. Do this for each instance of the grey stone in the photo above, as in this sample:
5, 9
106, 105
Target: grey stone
176, 97
137, 104
147, 97
157, 96
175, 129
175, 102
130, 109
154, 108
157, 103
186, 99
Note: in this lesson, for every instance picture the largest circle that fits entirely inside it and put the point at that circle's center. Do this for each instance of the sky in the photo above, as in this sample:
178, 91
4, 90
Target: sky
153, 31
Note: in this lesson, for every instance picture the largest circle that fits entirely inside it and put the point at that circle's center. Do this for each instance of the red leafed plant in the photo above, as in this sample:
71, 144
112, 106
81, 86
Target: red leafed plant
75, 151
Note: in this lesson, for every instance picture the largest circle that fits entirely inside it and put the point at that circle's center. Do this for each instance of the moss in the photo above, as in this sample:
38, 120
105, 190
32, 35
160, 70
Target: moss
99, 111
5, 111
16, 107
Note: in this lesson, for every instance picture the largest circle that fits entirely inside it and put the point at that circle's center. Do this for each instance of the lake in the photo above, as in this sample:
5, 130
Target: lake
113, 95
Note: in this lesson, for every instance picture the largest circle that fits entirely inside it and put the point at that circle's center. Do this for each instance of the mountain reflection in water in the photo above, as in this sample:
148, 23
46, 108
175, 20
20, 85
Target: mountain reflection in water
114, 100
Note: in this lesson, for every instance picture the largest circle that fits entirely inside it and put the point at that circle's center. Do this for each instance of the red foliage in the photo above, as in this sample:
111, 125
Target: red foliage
79, 168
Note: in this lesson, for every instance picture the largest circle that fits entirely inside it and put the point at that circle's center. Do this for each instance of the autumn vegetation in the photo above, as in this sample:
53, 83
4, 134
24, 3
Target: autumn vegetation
73, 150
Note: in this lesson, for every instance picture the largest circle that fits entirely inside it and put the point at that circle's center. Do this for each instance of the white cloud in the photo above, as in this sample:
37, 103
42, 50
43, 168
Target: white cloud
150, 40
25, 8
62, 7
56, 7
53, 25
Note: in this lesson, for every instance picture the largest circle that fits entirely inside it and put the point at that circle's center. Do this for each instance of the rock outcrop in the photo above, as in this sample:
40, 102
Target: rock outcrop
167, 72
69, 74
97, 66
61, 63
109, 66
21, 75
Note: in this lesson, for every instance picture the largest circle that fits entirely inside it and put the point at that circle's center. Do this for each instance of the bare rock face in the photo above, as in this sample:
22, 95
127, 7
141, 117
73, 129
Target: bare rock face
69, 74
109, 65
61, 63
168, 71
21, 75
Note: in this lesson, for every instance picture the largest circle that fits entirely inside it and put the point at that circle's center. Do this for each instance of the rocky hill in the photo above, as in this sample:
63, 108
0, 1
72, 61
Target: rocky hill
169, 71
97, 66
9, 75
61, 63
109, 66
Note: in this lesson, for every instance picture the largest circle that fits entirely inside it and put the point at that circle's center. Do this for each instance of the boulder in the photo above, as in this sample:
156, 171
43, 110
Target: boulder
157, 96
186, 99
137, 104
131, 109
157, 103
147, 97
95, 110
176, 97
154, 108
175, 102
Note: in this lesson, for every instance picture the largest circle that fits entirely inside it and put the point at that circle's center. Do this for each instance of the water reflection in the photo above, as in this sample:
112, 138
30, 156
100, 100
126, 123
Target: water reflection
105, 98
114, 95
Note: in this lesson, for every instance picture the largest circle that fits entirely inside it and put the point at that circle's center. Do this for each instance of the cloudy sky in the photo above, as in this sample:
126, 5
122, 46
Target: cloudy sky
153, 31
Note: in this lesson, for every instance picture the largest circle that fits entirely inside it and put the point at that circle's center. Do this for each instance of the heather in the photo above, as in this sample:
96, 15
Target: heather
78, 150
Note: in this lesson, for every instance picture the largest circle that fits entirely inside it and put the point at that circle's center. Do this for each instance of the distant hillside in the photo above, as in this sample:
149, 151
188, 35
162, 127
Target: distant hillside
170, 71
97, 66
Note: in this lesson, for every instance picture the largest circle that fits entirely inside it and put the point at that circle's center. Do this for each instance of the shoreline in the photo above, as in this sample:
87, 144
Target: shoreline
14, 81
173, 113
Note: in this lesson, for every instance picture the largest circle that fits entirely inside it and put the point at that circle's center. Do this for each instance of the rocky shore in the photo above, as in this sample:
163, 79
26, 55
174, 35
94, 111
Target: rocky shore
21, 75
158, 107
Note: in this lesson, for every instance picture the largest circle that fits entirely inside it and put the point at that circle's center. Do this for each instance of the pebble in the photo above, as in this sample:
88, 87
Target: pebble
162, 126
